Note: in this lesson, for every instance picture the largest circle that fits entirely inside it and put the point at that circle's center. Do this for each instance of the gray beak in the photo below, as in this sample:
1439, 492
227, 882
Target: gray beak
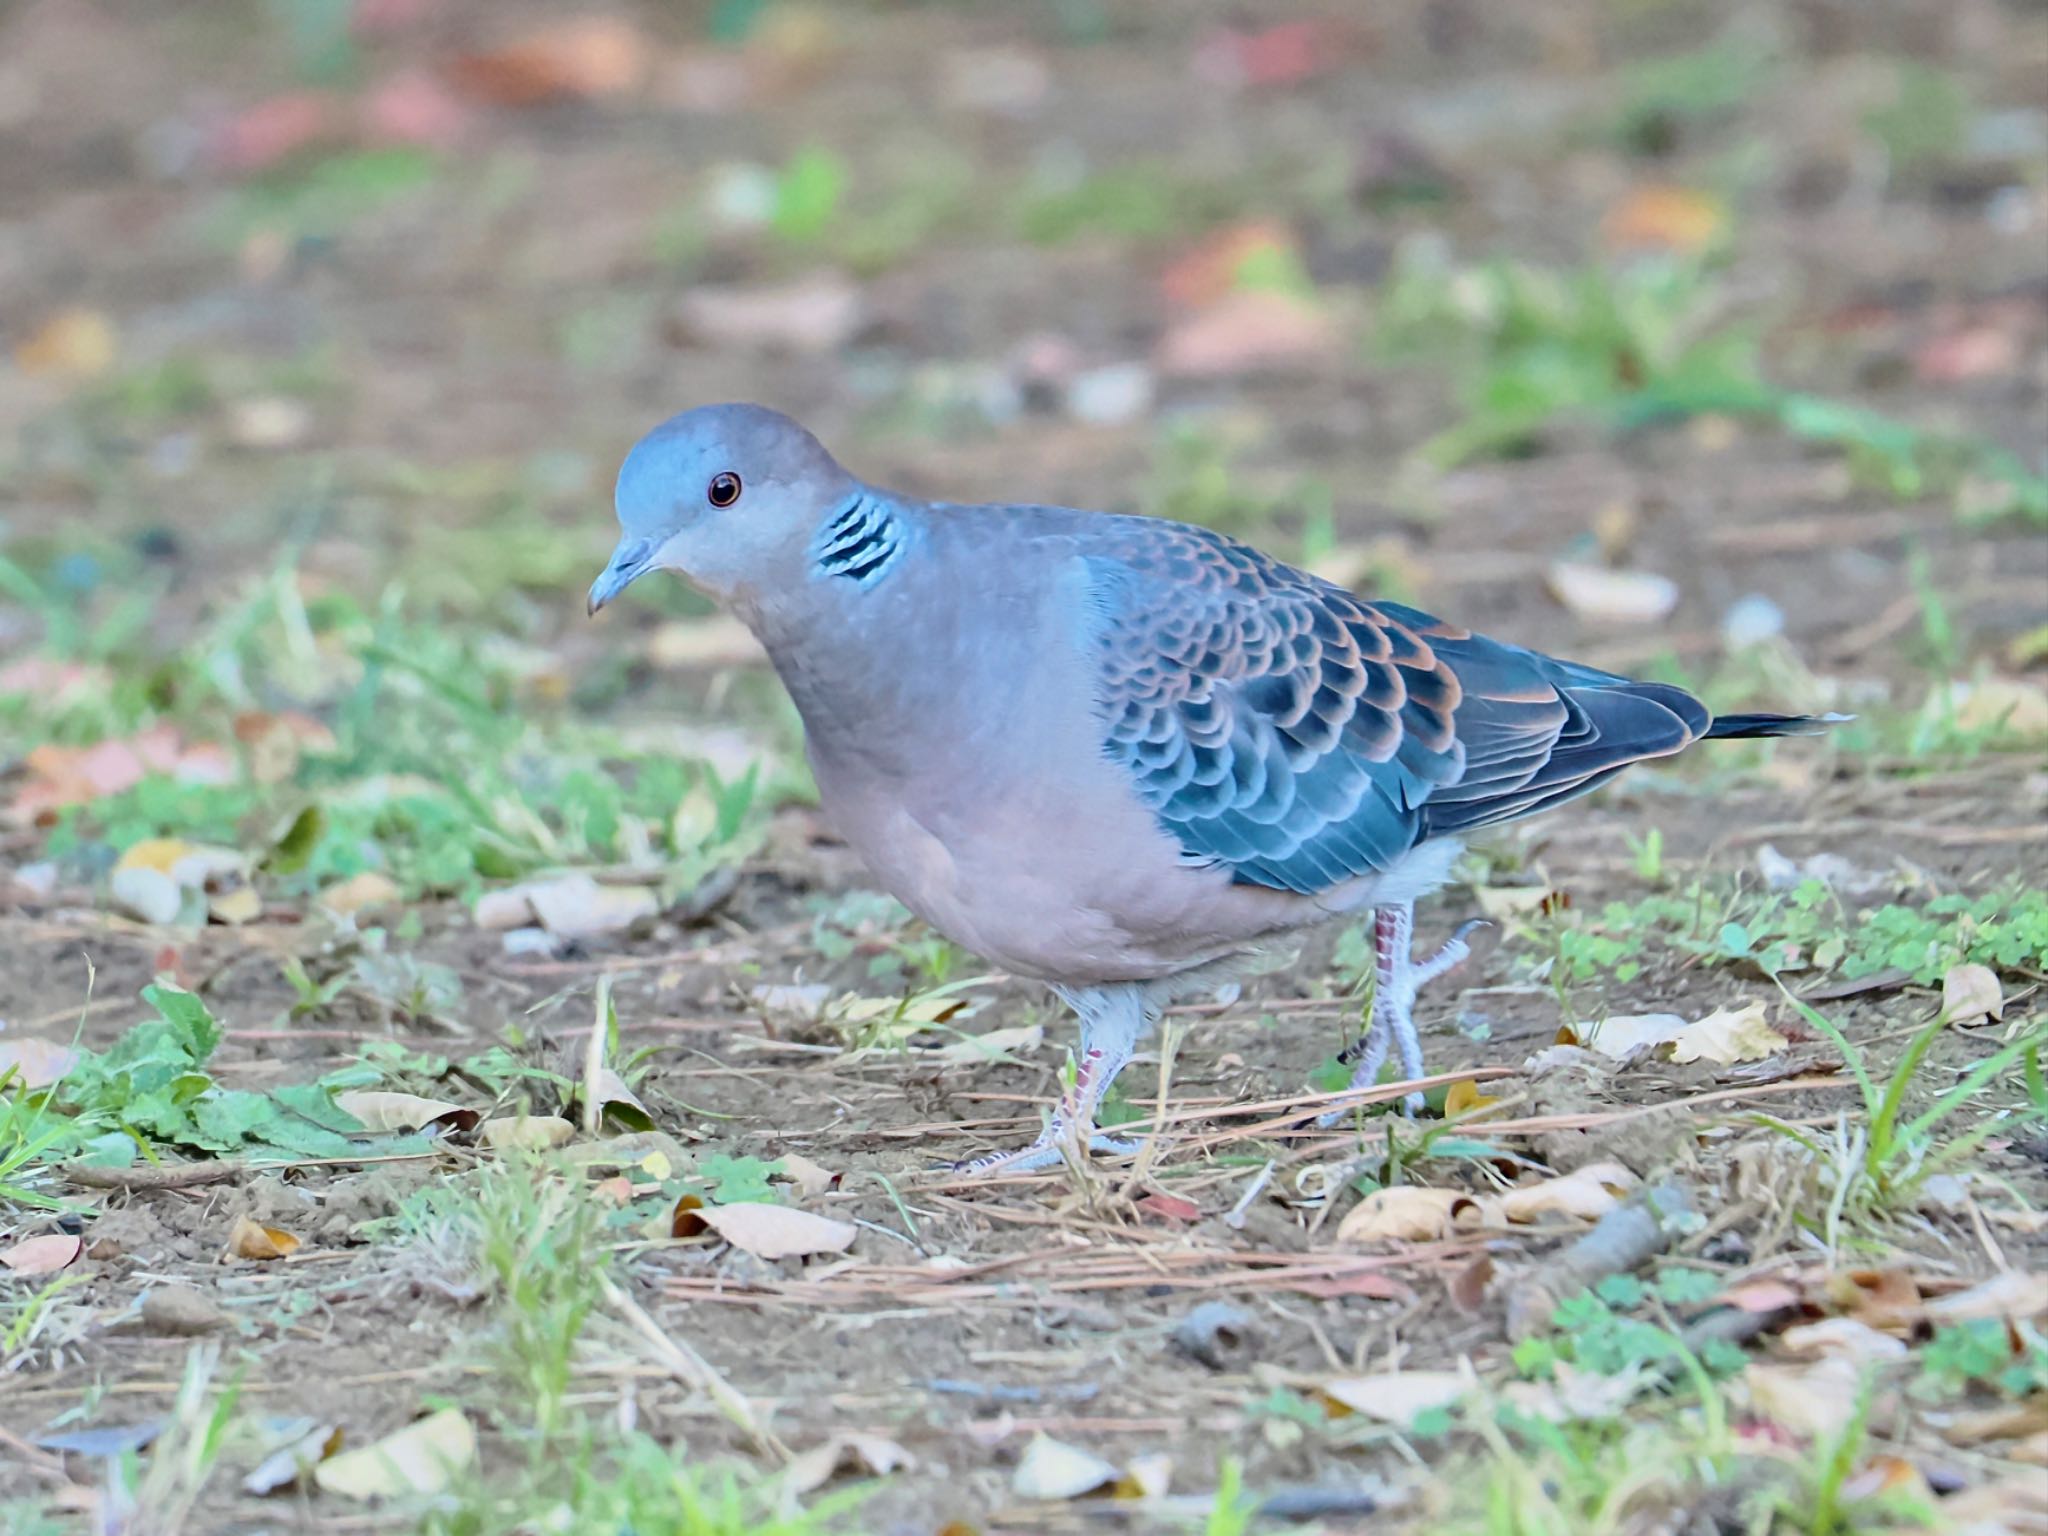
627, 563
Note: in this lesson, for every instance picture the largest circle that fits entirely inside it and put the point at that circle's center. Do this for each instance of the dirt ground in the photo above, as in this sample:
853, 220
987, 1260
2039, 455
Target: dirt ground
427, 389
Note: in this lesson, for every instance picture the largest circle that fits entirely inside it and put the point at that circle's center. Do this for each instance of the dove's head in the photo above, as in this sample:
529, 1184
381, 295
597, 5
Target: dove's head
727, 496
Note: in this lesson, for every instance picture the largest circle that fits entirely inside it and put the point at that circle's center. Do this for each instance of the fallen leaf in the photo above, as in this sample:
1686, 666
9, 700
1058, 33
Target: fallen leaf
1726, 1035
74, 343
1398, 1397
532, 1133
36, 1063
1052, 1469
1249, 331
302, 1451
1146, 1477
849, 1451
1463, 1098
233, 908
1586, 1193
616, 1102
777, 1231
380, 1110
1215, 267
783, 1006
583, 57
1662, 218
1989, 704
1408, 1213
809, 1178
359, 893
2016, 1295
2008, 1421
809, 317
1886, 1299
578, 907
250, 1239
420, 1459
1607, 596
1814, 1402
1970, 994
1467, 1288
1763, 1296
1842, 1336
1575, 1396
1170, 1208
147, 895
42, 1255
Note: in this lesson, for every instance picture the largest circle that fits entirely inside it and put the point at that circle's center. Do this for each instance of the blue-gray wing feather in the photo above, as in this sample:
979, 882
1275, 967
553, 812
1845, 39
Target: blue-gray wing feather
1302, 736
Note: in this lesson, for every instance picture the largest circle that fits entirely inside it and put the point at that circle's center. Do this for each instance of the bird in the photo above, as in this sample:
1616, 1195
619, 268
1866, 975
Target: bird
1120, 754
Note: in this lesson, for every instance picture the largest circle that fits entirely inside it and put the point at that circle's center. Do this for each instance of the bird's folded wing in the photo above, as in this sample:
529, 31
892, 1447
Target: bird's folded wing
1301, 736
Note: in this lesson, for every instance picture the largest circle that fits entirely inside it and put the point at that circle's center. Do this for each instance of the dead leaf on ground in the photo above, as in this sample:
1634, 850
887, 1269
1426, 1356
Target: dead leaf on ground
1052, 1469
1397, 1397
2017, 1295
869, 1455
1252, 330
250, 1239
809, 1178
777, 1231
381, 1110
310, 1443
2008, 1421
617, 1104
359, 893
1842, 1336
1886, 1299
61, 776
1575, 1396
37, 1063
1725, 1036
1407, 1213
1663, 218
584, 57
42, 1255
1814, 1401
531, 1133
1464, 1098
74, 343
1586, 1193
578, 907
420, 1459
969, 1050
1970, 994
1608, 596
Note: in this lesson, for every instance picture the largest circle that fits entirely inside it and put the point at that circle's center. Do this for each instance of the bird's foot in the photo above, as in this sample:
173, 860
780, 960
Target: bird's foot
1047, 1151
1400, 976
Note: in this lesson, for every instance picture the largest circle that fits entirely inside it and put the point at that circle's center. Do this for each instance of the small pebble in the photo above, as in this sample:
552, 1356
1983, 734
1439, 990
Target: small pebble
147, 895
529, 941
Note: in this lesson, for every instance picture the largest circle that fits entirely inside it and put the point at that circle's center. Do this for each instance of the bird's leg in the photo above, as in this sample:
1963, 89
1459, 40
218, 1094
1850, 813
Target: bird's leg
1113, 1021
1397, 977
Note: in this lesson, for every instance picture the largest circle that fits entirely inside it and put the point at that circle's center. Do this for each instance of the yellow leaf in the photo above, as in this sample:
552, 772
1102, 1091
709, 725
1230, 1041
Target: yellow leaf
74, 343
250, 1239
158, 853
421, 1458
534, 1133
1463, 1097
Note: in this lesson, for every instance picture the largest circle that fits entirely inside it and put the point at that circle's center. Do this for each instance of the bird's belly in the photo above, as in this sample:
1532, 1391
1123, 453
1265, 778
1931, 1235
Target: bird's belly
1044, 887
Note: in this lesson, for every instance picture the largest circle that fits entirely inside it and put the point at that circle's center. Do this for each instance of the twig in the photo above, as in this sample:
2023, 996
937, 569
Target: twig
1630, 1234
153, 1176
692, 1369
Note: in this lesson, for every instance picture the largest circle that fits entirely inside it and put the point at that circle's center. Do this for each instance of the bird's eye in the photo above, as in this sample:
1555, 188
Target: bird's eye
724, 489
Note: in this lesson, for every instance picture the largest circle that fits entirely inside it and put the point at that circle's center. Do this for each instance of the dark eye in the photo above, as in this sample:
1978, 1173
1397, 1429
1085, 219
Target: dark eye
724, 489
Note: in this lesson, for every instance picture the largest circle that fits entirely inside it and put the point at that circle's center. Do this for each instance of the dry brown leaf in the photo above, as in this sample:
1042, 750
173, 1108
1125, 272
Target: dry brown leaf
532, 1133
250, 1239
36, 1062
360, 893
1397, 1397
75, 343
42, 1255
585, 56
1586, 1193
1052, 1469
1814, 1401
2008, 1421
2017, 1295
420, 1459
1970, 994
1662, 218
380, 1110
1608, 596
1886, 1299
809, 1178
1407, 1213
1724, 1036
1249, 331
777, 1231
871, 1455
1842, 1336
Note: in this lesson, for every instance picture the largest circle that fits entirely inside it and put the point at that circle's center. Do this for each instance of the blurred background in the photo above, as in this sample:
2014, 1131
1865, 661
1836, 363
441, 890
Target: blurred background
1704, 341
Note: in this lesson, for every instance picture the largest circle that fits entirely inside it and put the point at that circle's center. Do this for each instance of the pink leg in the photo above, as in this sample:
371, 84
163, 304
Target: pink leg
1397, 978
1113, 1020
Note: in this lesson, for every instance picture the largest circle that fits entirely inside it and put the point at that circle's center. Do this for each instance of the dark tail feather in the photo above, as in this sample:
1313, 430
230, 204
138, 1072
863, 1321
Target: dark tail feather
1775, 725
